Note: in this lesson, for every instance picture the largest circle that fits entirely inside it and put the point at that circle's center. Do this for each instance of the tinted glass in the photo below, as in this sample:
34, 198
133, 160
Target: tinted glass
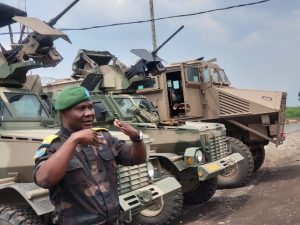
26, 105
192, 74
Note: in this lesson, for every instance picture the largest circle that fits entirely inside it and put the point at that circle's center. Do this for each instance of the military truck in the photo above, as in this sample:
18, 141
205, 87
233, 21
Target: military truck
195, 153
199, 90
26, 121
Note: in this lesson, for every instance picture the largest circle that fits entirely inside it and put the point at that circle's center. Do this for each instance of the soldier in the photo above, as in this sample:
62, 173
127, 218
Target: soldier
79, 164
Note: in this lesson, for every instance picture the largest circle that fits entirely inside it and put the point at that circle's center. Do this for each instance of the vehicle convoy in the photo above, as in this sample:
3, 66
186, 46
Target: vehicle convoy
197, 90
195, 153
26, 121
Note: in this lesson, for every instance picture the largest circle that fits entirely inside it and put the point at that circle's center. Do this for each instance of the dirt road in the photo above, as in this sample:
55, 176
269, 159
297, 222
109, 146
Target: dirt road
272, 197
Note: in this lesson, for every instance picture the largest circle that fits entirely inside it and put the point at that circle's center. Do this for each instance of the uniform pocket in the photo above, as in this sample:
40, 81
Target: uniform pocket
74, 173
106, 154
108, 159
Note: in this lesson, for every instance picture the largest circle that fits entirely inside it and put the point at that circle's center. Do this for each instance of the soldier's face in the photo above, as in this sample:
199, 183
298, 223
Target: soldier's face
79, 117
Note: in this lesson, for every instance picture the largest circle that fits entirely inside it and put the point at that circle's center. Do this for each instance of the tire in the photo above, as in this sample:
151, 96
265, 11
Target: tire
258, 153
204, 192
164, 212
18, 215
239, 174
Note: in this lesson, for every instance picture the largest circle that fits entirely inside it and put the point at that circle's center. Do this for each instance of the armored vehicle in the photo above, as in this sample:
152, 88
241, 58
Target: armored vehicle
26, 120
200, 90
195, 153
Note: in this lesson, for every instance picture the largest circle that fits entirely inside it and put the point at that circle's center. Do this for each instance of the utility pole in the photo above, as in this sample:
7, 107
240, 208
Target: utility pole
152, 25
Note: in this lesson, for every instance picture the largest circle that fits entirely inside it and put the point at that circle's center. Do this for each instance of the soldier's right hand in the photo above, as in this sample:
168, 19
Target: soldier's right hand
88, 137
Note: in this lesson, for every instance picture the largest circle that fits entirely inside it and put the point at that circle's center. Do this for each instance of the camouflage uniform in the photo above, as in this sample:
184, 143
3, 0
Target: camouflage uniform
88, 193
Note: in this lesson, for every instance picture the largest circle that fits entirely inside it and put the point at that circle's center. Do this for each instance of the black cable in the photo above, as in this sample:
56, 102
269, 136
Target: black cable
161, 18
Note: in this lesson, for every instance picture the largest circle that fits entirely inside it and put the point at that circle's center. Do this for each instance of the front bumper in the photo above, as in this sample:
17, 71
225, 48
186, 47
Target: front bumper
210, 170
135, 201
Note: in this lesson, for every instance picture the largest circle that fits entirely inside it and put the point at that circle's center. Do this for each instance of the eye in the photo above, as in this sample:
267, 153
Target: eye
80, 108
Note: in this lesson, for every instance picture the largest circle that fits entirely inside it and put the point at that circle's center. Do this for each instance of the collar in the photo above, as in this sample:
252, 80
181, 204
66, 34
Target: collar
64, 132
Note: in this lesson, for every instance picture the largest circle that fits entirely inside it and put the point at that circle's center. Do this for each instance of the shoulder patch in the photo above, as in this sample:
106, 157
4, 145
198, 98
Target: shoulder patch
48, 140
99, 129
40, 152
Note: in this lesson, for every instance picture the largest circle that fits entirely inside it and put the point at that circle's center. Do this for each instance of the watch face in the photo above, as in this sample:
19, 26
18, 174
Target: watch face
141, 135
138, 138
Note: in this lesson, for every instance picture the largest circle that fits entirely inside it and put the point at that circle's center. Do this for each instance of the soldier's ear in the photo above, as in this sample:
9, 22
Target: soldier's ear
63, 114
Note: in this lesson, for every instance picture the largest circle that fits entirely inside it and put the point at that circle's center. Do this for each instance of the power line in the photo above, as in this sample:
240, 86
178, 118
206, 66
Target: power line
164, 18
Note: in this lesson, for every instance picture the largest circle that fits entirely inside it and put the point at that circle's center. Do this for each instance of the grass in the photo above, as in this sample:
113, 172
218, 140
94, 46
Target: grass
292, 112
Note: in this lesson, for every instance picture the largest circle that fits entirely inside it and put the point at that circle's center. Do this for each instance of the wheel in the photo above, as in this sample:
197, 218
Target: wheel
18, 215
164, 211
258, 153
239, 174
204, 192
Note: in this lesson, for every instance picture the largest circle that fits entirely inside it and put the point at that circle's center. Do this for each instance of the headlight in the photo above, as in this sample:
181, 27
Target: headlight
193, 156
199, 156
150, 170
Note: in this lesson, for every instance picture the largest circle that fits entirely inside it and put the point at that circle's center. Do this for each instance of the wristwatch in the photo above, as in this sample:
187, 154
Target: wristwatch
137, 138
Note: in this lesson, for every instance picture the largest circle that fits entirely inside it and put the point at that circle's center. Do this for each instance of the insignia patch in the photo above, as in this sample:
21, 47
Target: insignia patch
40, 152
86, 92
49, 139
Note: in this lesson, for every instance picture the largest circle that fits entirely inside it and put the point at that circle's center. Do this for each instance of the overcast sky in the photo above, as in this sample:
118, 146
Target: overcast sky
258, 46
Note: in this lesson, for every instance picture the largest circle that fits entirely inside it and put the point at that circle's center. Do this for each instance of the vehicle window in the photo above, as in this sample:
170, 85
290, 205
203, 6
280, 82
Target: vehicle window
150, 83
215, 76
26, 105
224, 77
176, 84
124, 105
144, 104
4, 113
206, 75
192, 74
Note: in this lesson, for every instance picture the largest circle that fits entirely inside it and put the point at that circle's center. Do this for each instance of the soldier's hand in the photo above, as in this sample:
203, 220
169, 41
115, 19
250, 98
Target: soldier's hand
89, 137
126, 128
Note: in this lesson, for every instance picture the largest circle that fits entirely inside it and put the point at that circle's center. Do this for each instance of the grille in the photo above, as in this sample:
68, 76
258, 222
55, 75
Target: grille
281, 117
217, 147
231, 105
281, 120
132, 177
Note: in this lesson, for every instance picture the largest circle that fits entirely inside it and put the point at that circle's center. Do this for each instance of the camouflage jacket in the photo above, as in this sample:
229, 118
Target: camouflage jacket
88, 193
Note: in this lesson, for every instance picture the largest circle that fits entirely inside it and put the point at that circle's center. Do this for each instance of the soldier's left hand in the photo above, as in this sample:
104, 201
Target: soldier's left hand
126, 128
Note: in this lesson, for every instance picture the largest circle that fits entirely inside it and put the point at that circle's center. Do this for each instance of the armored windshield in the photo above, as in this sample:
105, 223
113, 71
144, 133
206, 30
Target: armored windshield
218, 76
126, 105
224, 77
205, 74
26, 106
143, 103
138, 108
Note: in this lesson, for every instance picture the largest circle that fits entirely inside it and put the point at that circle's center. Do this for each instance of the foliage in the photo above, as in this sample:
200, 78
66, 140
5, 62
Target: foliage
292, 112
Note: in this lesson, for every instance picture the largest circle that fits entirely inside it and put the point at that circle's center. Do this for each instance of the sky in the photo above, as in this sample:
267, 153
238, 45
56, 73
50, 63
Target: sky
258, 46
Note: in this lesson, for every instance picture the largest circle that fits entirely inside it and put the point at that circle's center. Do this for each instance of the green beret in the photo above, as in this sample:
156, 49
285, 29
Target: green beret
71, 96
